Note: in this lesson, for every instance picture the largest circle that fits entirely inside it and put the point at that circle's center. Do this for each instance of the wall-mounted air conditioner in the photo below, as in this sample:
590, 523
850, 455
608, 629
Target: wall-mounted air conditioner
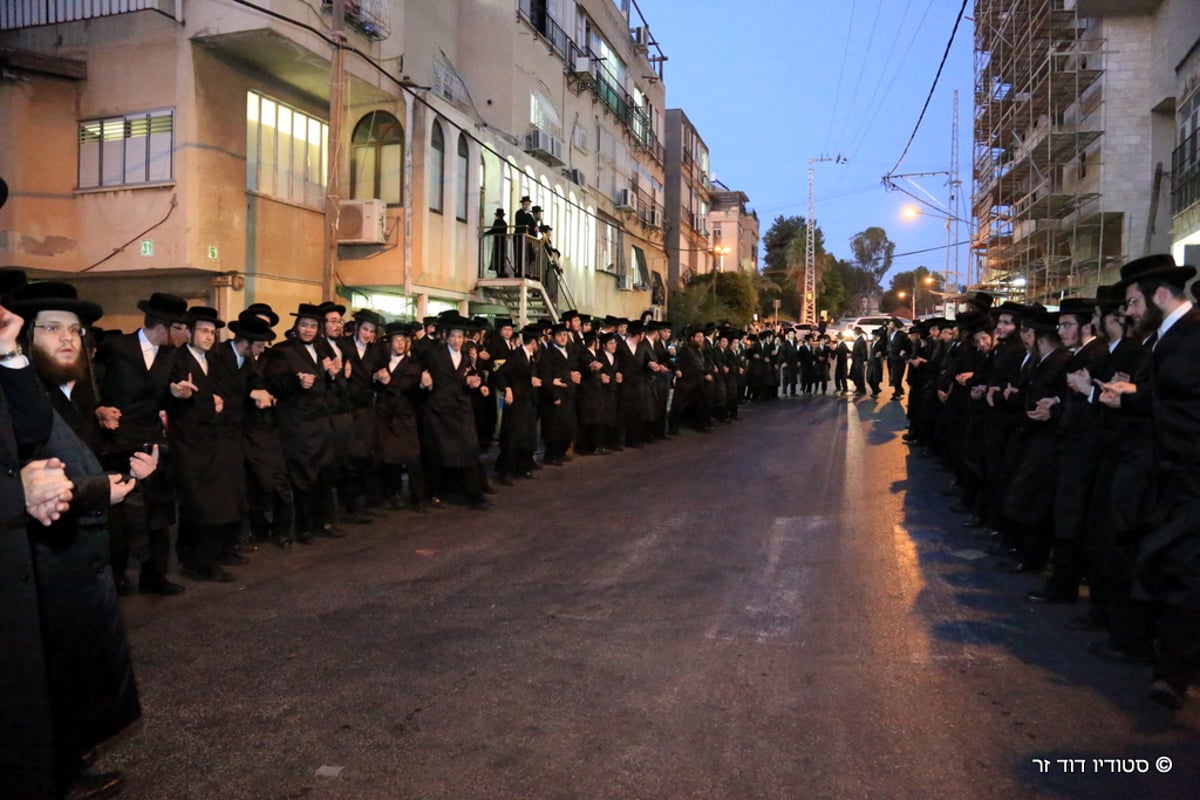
362, 222
626, 282
622, 200
544, 147
575, 176
581, 69
641, 37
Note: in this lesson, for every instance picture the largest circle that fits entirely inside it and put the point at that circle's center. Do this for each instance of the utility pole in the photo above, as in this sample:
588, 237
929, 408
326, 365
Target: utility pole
808, 308
333, 192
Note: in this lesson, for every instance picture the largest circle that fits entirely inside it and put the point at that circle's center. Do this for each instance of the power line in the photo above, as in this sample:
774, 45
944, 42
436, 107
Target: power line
862, 67
946, 54
841, 72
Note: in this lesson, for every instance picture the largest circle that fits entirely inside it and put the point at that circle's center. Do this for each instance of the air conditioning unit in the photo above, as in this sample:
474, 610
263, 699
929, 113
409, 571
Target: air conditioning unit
362, 222
641, 38
653, 218
626, 282
575, 176
581, 69
541, 145
622, 200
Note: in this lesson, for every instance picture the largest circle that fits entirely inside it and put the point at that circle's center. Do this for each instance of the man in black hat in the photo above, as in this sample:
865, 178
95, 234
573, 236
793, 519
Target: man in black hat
358, 486
136, 371
524, 231
295, 373
1076, 437
633, 396
206, 456
449, 442
398, 384
557, 369
497, 234
516, 381
82, 631
860, 353
1029, 500
690, 377
270, 504
1166, 572
897, 355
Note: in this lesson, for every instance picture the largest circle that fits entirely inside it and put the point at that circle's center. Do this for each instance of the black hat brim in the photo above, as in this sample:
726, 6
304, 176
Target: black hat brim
87, 311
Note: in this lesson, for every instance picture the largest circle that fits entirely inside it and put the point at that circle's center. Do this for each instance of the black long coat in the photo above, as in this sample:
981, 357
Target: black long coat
139, 393
26, 755
1078, 442
360, 396
448, 435
597, 400
1168, 565
305, 432
518, 425
206, 455
557, 403
1030, 496
90, 674
397, 412
634, 401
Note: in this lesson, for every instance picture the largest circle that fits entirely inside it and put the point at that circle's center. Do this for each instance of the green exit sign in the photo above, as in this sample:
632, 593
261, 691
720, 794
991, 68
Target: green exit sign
147, 247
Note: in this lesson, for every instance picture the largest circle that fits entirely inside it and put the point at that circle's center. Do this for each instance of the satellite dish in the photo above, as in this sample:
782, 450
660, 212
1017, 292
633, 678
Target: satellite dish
3, 192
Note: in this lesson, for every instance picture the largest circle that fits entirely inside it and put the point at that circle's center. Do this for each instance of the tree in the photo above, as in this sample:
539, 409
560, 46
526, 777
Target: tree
873, 251
784, 261
920, 280
733, 298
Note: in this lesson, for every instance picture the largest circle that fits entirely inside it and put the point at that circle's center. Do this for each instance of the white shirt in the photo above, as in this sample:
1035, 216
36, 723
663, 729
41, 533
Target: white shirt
201, 357
393, 362
361, 347
149, 351
455, 356
67, 388
240, 358
311, 347
1170, 320
337, 351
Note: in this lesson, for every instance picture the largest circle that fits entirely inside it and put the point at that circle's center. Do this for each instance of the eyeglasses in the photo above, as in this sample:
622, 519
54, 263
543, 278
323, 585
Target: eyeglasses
1133, 301
1070, 324
58, 328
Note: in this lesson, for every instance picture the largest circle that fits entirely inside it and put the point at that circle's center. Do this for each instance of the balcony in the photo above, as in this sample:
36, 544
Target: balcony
16, 14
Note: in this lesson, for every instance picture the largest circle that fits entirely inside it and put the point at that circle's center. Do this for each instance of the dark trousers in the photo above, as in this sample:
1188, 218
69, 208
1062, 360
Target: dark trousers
131, 536
467, 479
268, 491
314, 506
1177, 656
393, 479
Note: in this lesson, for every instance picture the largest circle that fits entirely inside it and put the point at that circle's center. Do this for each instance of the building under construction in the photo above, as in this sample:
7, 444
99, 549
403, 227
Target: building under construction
1069, 146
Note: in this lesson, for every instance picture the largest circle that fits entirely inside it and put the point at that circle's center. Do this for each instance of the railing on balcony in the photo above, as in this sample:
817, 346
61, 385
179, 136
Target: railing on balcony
518, 255
605, 87
372, 18
16, 14
1185, 174
648, 211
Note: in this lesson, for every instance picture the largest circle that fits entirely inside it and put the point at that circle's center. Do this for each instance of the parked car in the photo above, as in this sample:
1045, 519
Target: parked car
868, 324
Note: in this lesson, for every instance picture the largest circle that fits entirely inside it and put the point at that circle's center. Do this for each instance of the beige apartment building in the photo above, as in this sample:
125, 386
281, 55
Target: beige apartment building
733, 226
1080, 110
184, 146
690, 251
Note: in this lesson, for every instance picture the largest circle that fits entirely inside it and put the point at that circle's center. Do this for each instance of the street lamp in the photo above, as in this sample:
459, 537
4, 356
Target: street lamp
722, 251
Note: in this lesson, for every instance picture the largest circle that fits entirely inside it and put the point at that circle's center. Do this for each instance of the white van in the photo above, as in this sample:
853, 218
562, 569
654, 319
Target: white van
868, 324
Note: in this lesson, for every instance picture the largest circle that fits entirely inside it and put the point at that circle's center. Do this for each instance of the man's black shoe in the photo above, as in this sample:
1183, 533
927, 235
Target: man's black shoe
284, 542
96, 786
328, 531
207, 572
504, 480
1044, 597
1166, 695
233, 560
159, 585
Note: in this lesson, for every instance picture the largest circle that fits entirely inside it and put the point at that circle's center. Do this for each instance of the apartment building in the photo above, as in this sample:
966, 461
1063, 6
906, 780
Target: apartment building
690, 251
733, 227
1074, 129
186, 145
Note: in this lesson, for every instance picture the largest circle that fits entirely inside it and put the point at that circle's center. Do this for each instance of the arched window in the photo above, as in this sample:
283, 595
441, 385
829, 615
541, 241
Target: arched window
460, 211
377, 159
437, 167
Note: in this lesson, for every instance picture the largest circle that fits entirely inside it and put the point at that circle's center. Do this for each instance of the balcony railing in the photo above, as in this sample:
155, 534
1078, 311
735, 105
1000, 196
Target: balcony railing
16, 14
1185, 174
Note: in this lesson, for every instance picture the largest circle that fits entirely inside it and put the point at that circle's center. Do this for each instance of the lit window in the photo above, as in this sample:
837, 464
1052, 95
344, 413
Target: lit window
286, 152
437, 167
377, 159
460, 211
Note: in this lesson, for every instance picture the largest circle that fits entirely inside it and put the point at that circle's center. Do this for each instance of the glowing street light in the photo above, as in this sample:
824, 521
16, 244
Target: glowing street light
722, 251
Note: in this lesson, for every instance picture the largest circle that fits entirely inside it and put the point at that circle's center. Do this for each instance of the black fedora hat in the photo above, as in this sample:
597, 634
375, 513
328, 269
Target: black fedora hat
1042, 321
367, 315
531, 331
310, 311
167, 307
1110, 298
1160, 267
455, 321
204, 314
1077, 306
503, 322
251, 326
979, 300
11, 278
264, 310
399, 329
1010, 307
29, 299
328, 307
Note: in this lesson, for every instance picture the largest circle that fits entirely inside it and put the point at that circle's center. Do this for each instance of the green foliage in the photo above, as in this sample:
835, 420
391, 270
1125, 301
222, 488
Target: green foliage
873, 251
734, 298
784, 257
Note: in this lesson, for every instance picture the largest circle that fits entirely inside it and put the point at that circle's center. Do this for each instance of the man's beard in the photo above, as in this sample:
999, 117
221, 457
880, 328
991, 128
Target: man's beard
55, 373
1149, 322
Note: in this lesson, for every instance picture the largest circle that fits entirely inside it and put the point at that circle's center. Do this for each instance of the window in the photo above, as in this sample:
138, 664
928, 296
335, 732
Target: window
460, 212
287, 152
126, 150
377, 159
437, 167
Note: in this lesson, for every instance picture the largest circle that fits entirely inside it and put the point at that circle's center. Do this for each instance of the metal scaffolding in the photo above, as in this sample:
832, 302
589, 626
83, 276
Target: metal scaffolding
1040, 232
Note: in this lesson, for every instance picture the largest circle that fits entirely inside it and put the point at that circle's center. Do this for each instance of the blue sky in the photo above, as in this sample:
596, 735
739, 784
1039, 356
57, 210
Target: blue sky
770, 84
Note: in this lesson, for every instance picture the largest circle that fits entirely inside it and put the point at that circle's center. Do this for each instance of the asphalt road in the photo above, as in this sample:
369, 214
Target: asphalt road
779, 609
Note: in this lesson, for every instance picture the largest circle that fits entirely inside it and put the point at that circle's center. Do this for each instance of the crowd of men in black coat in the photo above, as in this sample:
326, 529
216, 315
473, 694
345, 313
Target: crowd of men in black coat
1074, 439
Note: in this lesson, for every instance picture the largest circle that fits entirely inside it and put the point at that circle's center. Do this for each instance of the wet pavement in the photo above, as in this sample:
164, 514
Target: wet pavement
782, 608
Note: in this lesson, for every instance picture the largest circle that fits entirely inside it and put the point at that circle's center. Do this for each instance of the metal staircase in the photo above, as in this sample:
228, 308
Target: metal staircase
529, 285
525, 298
